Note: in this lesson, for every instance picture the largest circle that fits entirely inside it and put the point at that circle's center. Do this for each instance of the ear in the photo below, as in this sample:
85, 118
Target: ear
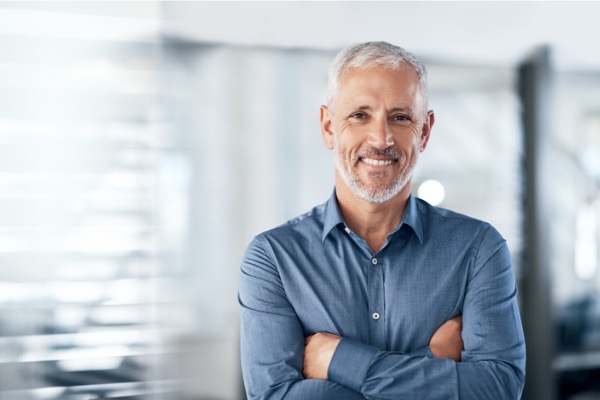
426, 130
327, 126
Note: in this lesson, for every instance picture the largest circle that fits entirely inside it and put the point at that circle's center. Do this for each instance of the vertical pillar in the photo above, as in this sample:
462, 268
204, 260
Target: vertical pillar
535, 88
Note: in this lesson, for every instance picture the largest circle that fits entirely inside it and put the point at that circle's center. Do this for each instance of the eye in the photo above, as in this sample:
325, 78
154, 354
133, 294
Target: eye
358, 115
401, 118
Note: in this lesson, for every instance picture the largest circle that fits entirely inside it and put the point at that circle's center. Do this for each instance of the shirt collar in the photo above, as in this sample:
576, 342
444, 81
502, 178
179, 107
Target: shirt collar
411, 217
332, 216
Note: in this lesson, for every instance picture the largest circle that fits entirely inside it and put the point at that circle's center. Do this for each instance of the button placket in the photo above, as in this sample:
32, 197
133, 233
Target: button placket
376, 301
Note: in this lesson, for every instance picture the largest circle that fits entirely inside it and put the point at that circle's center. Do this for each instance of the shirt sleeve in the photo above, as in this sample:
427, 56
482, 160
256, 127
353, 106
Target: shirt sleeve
272, 338
492, 364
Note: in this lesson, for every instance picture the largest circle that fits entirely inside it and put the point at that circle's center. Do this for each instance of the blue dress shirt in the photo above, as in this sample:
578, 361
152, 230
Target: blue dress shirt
313, 274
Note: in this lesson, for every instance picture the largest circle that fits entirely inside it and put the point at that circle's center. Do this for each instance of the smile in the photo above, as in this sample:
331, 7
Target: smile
372, 161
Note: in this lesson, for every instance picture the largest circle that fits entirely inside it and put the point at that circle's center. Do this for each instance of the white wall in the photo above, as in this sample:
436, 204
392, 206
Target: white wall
493, 33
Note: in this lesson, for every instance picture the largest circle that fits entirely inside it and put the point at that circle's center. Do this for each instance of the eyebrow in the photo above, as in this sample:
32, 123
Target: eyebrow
407, 110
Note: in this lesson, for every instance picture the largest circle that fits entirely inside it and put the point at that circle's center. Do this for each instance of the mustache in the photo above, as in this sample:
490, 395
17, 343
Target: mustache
388, 153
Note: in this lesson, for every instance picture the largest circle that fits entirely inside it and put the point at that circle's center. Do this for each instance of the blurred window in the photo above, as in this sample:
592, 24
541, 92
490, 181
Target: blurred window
85, 303
574, 167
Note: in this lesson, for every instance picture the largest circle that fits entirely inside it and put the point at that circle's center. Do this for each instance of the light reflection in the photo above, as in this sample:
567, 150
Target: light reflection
47, 393
119, 315
91, 239
432, 191
109, 292
78, 292
88, 269
102, 338
90, 339
119, 181
90, 364
74, 353
127, 291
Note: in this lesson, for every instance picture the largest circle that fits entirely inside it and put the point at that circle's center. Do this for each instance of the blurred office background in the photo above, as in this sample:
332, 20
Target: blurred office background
143, 144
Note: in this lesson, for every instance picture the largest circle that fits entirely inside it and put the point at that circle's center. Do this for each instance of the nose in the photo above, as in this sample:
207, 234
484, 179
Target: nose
380, 135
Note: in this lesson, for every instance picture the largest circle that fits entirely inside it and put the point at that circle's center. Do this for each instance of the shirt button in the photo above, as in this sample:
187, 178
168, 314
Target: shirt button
376, 315
347, 230
374, 261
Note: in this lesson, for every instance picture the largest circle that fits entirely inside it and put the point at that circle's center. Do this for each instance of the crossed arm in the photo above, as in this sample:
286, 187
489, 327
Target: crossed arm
446, 342
283, 364
279, 361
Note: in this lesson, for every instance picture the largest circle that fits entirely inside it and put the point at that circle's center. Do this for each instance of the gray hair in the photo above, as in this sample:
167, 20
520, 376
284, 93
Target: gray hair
373, 54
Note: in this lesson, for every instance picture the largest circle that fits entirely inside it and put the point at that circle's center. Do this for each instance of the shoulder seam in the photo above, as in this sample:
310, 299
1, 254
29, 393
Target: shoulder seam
485, 229
264, 243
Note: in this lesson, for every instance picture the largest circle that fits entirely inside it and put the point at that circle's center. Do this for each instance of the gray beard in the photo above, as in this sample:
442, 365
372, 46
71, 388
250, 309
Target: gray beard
376, 195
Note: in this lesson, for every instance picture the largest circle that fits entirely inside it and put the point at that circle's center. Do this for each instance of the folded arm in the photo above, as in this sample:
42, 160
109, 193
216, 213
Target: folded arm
446, 342
492, 363
273, 341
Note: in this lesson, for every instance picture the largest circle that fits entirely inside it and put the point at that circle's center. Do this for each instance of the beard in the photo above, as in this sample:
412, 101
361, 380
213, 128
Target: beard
378, 191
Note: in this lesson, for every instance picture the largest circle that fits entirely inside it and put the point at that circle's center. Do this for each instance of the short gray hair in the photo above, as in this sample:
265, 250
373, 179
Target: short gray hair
373, 54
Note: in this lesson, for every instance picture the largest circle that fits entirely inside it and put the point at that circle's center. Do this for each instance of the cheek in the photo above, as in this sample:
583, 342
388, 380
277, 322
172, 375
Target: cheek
342, 143
411, 142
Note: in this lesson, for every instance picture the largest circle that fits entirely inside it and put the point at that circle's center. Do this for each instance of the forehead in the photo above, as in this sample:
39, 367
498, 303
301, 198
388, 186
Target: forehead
379, 84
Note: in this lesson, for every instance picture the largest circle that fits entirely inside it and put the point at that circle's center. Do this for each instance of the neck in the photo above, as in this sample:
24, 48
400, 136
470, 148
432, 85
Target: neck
371, 221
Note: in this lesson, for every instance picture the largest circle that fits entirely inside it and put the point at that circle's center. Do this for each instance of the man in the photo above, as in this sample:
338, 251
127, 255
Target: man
374, 293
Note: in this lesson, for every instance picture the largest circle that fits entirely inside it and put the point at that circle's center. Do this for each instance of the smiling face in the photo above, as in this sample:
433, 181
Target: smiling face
377, 126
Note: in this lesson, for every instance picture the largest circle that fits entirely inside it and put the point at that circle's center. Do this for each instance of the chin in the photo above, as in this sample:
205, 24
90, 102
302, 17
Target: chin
376, 196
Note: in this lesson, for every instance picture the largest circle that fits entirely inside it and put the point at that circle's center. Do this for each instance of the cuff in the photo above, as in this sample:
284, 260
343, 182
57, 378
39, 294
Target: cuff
350, 363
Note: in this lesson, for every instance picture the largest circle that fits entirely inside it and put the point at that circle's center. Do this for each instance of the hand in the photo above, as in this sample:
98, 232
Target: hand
446, 341
318, 353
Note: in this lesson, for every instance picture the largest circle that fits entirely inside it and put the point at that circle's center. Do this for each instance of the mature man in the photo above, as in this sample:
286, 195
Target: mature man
377, 294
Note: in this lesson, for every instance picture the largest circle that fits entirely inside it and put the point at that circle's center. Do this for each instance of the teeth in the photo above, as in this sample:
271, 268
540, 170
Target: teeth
371, 161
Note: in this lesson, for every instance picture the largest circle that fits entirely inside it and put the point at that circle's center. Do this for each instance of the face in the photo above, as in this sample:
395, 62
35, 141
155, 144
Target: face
377, 126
